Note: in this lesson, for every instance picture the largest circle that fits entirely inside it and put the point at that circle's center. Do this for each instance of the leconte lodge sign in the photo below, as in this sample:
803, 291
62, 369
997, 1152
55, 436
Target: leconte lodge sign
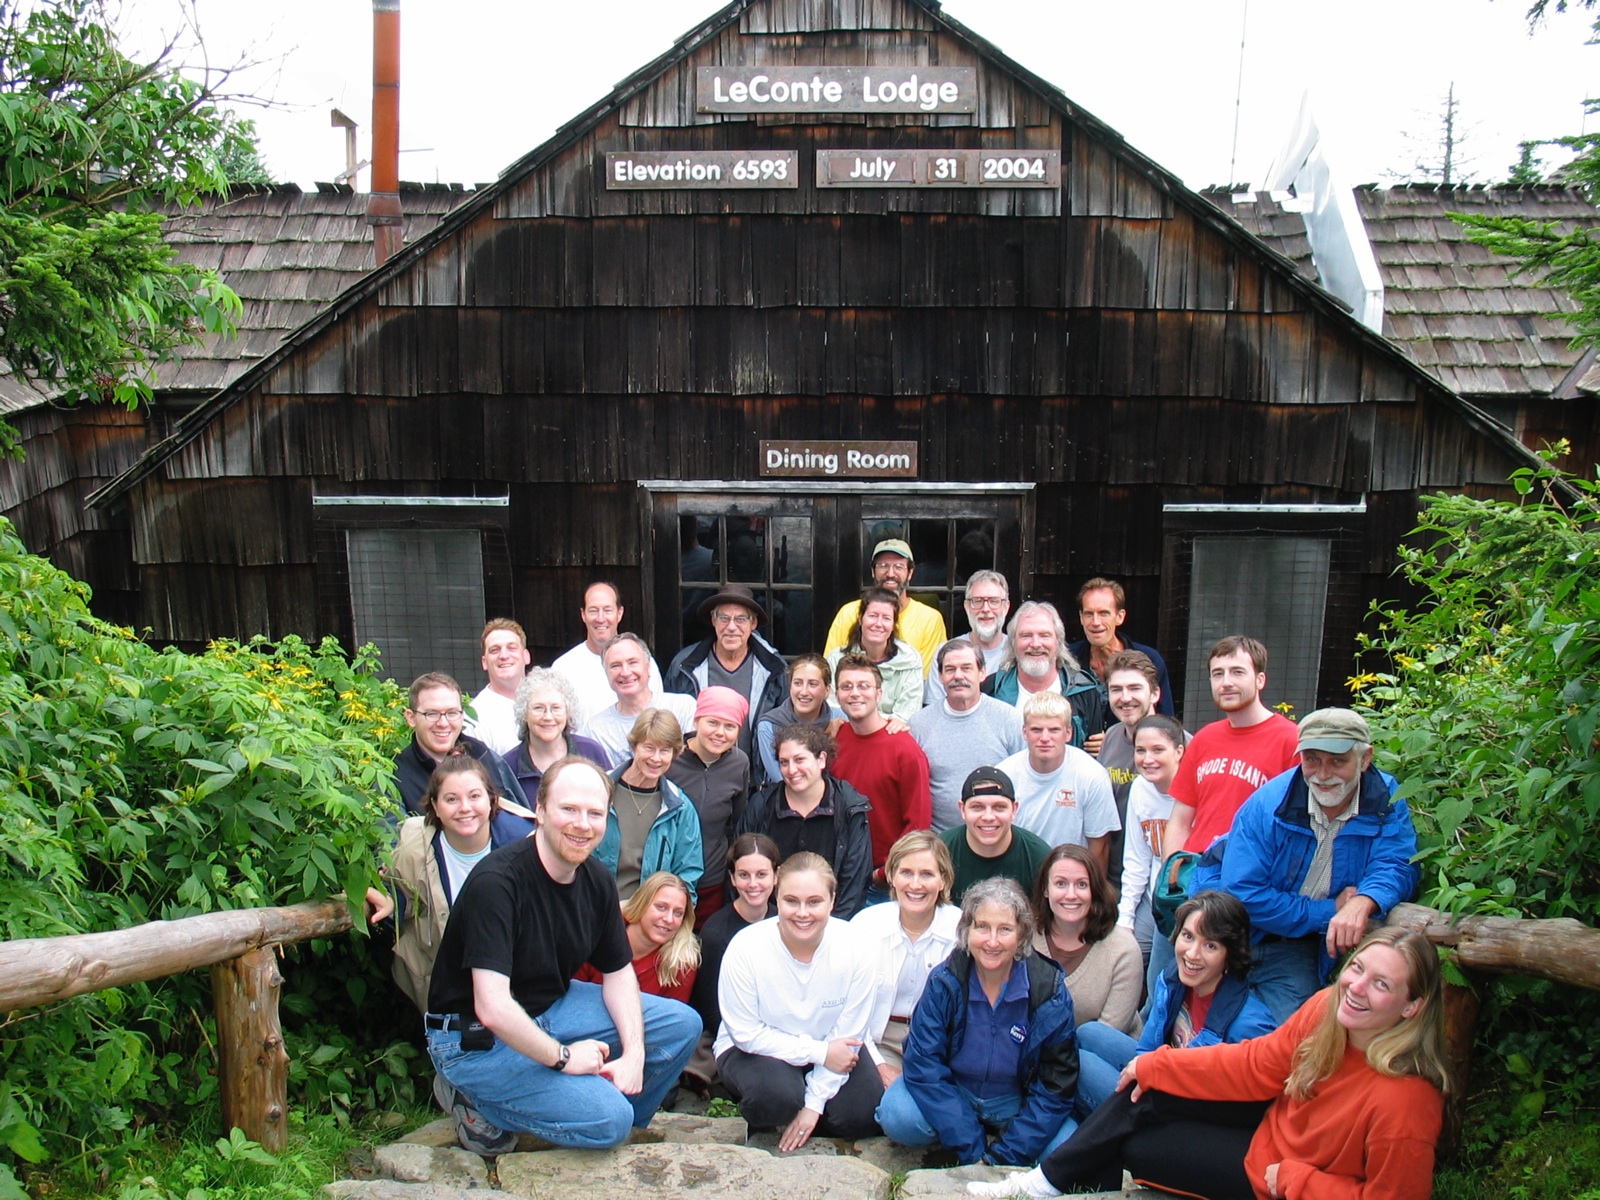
825, 89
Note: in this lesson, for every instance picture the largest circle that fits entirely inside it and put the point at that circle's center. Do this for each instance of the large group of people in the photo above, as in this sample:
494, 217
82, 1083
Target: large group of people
981, 892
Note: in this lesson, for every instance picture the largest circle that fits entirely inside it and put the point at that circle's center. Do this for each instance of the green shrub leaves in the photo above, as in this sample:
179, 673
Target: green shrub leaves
140, 784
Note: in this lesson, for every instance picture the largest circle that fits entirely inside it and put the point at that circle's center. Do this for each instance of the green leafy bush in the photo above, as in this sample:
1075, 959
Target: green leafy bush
1488, 714
1489, 710
140, 784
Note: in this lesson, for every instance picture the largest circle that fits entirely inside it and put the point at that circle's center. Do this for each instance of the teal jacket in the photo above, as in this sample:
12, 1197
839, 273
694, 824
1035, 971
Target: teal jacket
673, 843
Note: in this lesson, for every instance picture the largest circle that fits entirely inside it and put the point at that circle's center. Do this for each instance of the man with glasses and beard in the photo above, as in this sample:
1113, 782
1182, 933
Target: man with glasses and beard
988, 603
733, 656
920, 625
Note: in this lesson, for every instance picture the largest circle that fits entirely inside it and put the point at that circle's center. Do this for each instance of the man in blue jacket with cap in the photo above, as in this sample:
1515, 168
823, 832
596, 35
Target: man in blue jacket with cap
1316, 855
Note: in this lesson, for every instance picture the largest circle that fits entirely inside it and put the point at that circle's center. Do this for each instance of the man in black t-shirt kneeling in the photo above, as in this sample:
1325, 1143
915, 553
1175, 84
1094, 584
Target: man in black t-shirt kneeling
517, 1044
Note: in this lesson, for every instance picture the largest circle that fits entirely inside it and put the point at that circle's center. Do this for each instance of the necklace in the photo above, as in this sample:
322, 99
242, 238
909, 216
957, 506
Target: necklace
635, 793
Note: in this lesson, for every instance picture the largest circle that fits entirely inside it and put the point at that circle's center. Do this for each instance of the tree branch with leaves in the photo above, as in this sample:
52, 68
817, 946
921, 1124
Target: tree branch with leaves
92, 299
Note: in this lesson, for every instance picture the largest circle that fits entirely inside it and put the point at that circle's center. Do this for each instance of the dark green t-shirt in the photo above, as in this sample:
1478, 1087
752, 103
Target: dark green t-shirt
1020, 862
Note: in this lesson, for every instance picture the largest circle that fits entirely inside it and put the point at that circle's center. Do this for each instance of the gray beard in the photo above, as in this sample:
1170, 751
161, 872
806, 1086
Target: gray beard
1318, 794
1036, 668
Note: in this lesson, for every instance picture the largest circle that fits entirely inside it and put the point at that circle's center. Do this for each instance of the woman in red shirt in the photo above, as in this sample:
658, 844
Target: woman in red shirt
666, 953
1355, 1079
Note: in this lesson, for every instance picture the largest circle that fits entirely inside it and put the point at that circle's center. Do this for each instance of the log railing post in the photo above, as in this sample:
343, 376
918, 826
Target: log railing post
254, 1067
1460, 1022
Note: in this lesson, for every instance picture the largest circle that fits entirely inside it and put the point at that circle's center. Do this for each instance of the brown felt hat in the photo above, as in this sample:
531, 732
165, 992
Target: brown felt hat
734, 593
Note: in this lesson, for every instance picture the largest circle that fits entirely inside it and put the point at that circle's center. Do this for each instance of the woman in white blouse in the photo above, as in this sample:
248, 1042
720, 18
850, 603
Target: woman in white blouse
796, 993
908, 939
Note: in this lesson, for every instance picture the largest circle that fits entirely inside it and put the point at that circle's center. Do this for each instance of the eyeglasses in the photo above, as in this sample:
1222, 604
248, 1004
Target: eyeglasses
547, 710
986, 601
740, 620
434, 716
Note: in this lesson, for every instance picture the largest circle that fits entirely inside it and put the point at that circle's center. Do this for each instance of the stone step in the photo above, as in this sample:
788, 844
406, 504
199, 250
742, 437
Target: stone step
682, 1128
680, 1156
690, 1172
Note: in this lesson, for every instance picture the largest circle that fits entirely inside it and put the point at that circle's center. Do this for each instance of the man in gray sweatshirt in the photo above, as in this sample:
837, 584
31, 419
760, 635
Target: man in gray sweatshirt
965, 731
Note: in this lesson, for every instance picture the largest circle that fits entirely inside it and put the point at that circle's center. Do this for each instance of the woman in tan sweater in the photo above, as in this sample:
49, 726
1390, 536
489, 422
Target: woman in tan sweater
1075, 906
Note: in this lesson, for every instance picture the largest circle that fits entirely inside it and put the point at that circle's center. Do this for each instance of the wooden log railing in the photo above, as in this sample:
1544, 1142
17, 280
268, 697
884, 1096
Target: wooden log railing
240, 948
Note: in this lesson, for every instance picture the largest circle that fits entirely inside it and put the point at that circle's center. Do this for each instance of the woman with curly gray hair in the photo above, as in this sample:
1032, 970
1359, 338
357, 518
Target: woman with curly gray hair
991, 1060
546, 709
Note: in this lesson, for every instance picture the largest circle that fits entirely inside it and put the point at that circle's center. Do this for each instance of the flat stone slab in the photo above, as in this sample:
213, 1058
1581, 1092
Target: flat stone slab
441, 1133
767, 1139
678, 1128
689, 1172
687, 1129
896, 1159
451, 1166
389, 1189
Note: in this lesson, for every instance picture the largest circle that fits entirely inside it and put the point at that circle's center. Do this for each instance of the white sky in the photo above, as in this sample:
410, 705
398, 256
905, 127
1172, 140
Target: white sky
485, 81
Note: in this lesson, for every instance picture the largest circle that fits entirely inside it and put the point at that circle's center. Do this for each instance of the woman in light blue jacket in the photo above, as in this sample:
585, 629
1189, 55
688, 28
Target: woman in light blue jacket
874, 635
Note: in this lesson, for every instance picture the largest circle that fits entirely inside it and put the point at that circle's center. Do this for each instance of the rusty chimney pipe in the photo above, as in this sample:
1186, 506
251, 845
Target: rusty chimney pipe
383, 205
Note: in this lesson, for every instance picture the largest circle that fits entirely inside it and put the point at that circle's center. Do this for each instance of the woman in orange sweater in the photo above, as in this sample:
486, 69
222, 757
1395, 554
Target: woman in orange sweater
1355, 1080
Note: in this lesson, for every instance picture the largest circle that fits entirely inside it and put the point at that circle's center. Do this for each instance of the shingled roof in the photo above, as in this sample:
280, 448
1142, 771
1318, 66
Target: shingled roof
286, 253
1448, 302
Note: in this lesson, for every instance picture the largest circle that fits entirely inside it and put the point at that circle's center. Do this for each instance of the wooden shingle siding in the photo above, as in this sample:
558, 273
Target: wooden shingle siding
1116, 343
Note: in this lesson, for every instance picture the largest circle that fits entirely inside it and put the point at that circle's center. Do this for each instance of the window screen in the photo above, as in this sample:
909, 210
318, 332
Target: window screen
1275, 589
417, 594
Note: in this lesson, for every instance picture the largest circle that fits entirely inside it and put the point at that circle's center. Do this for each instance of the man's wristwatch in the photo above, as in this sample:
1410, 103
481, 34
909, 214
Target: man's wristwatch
562, 1059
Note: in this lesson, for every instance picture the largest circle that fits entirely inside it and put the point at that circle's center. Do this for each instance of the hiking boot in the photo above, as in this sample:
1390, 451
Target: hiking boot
475, 1132
473, 1129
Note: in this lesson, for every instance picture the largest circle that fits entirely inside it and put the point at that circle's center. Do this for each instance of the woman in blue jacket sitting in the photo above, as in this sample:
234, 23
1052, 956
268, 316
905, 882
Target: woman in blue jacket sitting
1200, 1000
991, 1060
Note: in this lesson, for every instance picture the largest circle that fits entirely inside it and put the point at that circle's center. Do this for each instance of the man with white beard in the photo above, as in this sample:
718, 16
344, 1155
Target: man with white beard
1037, 660
987, 602
1317, 855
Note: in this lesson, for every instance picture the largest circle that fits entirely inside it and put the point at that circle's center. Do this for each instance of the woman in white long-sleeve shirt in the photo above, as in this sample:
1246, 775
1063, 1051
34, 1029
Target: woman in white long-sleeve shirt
1158, 743
907, 938
796, 994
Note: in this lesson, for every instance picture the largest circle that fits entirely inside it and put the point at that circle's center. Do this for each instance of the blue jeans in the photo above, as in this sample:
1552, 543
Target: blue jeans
1102, 1053
1144, 928
903, 1122
580, 1111
1284, 973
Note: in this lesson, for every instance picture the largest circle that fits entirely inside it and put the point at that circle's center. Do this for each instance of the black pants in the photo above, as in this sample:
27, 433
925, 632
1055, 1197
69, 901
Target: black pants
1193, 1147
770, 1092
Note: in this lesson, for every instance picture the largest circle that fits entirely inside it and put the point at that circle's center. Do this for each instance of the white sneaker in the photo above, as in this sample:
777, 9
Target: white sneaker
1018, 1183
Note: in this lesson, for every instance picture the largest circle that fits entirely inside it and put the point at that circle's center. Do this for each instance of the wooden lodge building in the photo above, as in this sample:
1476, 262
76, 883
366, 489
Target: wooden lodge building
698, 336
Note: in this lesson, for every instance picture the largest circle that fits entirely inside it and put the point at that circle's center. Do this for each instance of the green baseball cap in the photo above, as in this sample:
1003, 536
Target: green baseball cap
1334, 731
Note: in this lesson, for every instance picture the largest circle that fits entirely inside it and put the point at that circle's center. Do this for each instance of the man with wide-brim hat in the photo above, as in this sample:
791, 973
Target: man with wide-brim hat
1316, 855
734, 656
920, 625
